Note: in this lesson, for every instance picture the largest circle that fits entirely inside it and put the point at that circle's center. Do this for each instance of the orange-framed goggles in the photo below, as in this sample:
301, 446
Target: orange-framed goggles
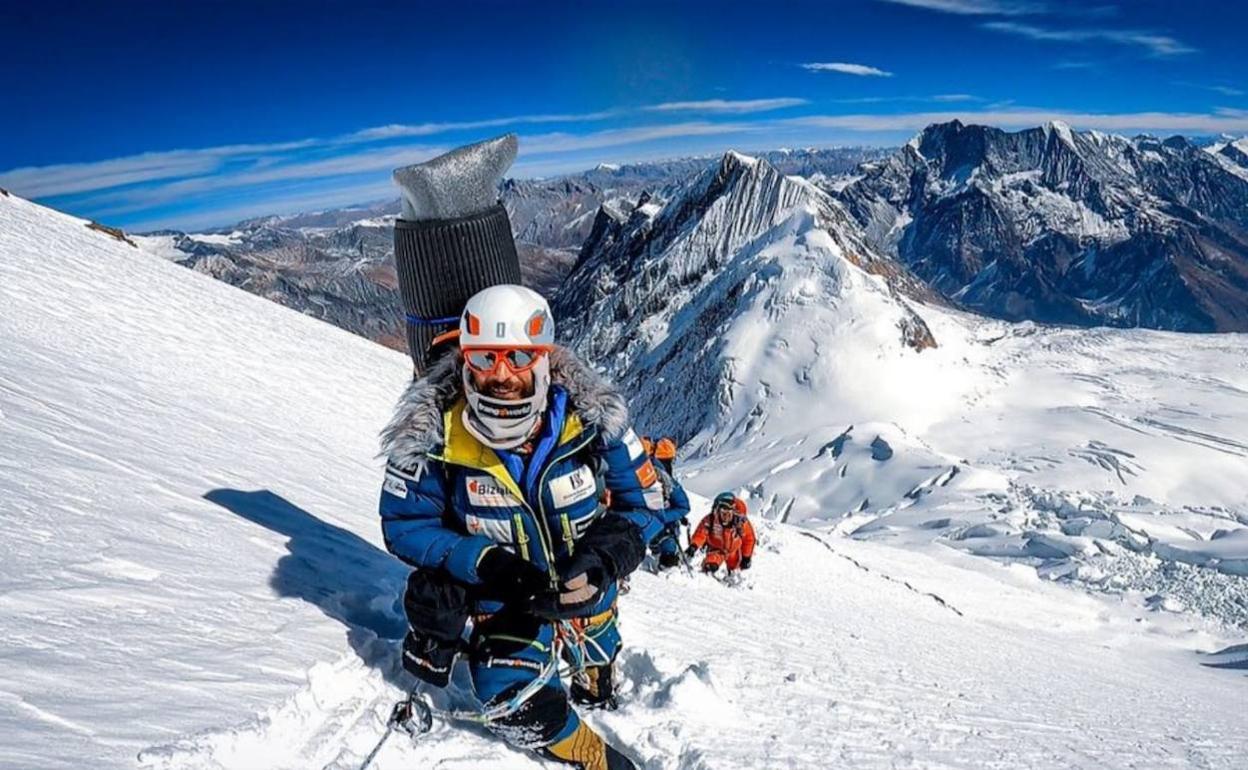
517, 359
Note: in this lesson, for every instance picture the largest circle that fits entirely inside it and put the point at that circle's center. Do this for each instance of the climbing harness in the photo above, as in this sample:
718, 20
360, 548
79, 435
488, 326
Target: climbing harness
414, 716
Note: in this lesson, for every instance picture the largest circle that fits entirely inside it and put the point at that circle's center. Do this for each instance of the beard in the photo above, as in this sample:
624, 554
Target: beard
512, 389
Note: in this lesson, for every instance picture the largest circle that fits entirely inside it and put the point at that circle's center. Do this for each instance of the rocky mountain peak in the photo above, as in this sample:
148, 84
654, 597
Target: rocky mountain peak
1063, 226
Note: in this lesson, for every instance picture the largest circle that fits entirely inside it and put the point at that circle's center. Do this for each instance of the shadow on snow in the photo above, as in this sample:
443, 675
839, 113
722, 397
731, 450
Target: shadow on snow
342, 574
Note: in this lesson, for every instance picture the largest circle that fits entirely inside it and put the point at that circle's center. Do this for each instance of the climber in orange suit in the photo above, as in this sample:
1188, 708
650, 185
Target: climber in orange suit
726, 535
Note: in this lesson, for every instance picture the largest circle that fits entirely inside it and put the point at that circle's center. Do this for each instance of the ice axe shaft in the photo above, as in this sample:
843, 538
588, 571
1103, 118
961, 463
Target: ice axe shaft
411, 716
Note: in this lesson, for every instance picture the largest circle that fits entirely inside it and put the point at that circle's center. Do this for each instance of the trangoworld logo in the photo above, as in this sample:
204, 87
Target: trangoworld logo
502, 409
498, 530
395, 486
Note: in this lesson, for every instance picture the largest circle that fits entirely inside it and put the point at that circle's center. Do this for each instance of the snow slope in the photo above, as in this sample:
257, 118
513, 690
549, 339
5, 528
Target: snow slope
167, 441
191, 575
751, 322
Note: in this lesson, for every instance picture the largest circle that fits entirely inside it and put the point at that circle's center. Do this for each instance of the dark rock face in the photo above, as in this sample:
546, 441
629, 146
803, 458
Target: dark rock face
1059, 226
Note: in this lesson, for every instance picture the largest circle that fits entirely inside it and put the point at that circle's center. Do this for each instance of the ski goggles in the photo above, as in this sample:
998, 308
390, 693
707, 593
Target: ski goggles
518, 360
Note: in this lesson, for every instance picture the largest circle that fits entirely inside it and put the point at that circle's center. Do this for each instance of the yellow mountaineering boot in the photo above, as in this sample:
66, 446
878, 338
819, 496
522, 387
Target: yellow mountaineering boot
585, 749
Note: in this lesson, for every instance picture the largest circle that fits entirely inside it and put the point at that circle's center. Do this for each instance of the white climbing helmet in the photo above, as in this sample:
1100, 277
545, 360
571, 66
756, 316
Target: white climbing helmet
510, 326
506, 316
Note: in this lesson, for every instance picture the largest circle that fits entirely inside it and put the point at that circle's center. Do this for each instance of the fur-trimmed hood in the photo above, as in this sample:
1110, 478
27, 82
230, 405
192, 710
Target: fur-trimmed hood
417, 425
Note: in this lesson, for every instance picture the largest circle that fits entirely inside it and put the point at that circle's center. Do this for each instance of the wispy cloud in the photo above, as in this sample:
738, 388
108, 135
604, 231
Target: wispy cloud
67, 178
622, 137
978, 7
737, 107
1216, 88
847, 68
211, 168
1155, 44
197, 188
936, 98
320, 199
401, 130
141, 191
378, 162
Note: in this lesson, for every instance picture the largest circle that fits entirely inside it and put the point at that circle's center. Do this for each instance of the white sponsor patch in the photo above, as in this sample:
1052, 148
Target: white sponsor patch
395, 486
498, 530
488, 492
573, 487
409, 474
635, 448
580, 525
654, 498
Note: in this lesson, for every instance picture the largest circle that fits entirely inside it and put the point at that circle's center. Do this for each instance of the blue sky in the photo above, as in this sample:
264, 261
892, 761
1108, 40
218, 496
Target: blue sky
182, 114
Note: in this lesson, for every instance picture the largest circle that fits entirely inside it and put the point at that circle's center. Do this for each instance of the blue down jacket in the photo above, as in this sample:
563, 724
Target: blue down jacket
447, 497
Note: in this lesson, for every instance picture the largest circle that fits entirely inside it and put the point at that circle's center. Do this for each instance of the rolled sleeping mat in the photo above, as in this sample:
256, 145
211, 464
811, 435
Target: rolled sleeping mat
441, 264
452, 239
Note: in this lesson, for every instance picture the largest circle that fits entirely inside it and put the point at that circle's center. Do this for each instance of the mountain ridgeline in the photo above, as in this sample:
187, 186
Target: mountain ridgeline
705, 303
1058, 226
338, 265
1046, 224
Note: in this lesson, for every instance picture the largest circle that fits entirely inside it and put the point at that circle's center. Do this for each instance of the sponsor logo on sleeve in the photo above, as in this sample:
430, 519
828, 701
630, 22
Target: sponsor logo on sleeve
573, 487
395, 486
487, 492
411, 473
498, 530
654, 499
646, 475
580, 525
635, 448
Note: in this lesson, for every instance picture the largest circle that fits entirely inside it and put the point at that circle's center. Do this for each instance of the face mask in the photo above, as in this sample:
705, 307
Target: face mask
506, 424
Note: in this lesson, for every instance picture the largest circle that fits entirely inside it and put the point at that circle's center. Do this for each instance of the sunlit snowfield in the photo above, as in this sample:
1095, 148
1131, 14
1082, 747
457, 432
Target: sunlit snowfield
192, 572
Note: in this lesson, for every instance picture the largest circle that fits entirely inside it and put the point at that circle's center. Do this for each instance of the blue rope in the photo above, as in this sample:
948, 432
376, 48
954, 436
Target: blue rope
418, 321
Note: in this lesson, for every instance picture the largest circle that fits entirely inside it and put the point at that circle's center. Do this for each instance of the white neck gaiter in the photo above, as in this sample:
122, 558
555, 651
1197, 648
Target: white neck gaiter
506, 424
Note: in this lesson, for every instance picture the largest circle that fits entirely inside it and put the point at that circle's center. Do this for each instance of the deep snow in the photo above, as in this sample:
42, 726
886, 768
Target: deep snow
192, 575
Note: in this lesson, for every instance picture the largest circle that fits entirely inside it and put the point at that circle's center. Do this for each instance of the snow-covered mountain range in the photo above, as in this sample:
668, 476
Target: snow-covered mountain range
680, 299
749, 317
193, 576
1064, 226
338, 265
1047, 224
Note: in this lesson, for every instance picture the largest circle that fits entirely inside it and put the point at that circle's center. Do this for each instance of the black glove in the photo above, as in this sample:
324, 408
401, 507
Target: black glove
745, 562
691, 550
437, 611
684, 522
610, 549
582, 580
509, 578
615, 544
428, 659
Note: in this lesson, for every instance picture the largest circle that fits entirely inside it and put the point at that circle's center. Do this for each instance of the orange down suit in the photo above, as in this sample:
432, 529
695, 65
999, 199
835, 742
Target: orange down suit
724, 544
